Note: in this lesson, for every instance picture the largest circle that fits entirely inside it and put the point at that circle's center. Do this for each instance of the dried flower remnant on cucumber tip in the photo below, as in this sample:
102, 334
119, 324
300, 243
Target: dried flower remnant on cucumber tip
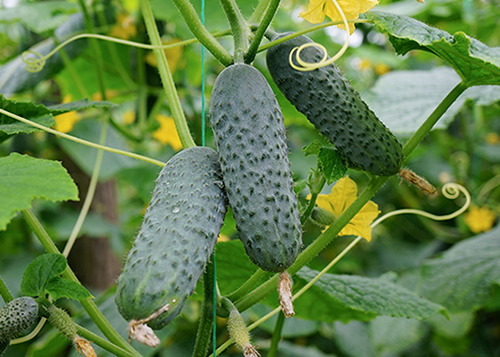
285, 294
139, 331
414, 179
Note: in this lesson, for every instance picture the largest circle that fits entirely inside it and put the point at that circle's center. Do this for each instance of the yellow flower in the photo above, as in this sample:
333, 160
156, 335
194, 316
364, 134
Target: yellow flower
110, 94
65, 122
342, 196
479, 219
125, 27
167, 133
317, 10
493, 139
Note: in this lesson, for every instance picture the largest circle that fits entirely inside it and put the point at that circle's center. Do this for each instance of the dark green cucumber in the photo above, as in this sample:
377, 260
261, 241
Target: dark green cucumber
176, 238
250, 137
4, 345
16, 316
335, 108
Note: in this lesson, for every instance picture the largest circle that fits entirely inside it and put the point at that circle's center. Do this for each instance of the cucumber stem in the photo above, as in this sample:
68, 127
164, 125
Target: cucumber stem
239, 27
193, 21
207, 313
278, 328
263, 26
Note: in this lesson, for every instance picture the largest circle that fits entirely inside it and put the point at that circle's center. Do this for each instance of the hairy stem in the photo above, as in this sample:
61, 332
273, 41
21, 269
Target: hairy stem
193, 21
263, 26
239, 27
278, 328
207, 313
101, 342
166, 77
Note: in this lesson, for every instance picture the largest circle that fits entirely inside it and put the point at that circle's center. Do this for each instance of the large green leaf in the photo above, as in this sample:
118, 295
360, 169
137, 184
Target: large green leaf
404, 99
475, 63
393, 335
462, 278
23, 178
39, 16
347, 297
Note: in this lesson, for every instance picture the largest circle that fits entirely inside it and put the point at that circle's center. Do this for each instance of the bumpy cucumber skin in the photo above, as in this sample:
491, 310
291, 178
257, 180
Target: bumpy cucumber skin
250, 138
176, 239
330, 103
16, 316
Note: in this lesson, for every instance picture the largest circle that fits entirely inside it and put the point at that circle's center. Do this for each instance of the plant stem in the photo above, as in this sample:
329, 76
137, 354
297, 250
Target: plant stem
312, 202
426, 127
264, 24
258, 13
166, 78
4, 292
83, 142
276, 335
207, 313
201, 33
239, 27
248, 285
89, 306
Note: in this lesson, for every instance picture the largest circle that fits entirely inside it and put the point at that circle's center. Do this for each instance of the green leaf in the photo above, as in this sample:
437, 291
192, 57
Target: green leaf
462, 278
39, 16
59, 287
39, 272
23, 178
475, 63
313, 148
346, 297
353, 339
331, 164
37, 113
457, 326
404, 99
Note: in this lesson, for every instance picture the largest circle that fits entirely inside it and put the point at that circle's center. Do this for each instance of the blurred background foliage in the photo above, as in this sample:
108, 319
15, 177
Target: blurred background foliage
465, 150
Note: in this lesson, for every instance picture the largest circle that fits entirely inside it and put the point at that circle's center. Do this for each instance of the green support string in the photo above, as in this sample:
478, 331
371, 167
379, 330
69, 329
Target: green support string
203, 143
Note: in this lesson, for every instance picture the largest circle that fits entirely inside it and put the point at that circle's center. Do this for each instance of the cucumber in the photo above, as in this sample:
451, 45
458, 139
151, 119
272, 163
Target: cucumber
335, 108
250, 138
4, 345
16, 316
176, 238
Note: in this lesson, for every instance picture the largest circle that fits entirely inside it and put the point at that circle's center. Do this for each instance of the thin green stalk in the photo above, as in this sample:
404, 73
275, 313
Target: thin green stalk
193, 21
83, 142
166, 77
258, 13
278, 328
4, 292
426, 127
90, 194
101, 342
263, 26
205, 325
248, 285
123, 130
239, 27
89, 306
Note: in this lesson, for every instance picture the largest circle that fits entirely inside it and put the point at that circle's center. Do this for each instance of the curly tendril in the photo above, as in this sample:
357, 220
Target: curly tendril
35, 64
308, 66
